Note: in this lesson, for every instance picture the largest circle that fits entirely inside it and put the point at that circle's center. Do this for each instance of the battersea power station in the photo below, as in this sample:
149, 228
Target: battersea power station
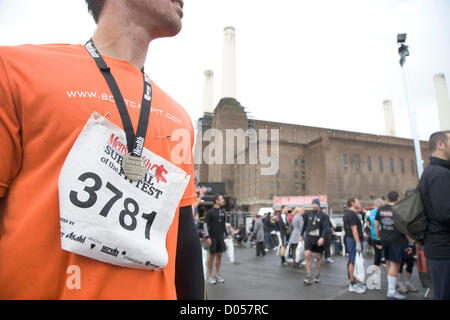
259, 162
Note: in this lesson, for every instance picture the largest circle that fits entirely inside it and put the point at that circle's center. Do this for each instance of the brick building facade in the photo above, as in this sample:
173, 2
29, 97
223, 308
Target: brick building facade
336, 163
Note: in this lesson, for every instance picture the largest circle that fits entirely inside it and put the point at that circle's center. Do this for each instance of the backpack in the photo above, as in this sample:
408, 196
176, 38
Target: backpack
409, 215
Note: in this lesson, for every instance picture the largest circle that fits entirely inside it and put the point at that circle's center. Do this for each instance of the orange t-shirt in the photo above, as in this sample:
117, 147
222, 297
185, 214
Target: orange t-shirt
47, 94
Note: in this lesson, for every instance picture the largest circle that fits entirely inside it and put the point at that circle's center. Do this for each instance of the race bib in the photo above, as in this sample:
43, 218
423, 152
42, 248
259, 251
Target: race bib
107, 217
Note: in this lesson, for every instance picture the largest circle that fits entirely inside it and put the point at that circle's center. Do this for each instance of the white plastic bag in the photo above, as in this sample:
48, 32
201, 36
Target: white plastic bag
300, 252
230, 249
359, 272
205, 262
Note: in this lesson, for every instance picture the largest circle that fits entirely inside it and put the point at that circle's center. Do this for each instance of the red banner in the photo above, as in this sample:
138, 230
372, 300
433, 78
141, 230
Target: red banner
299, 200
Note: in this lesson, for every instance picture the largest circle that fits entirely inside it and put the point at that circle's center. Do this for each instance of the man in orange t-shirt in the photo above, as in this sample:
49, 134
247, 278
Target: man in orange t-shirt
48, 96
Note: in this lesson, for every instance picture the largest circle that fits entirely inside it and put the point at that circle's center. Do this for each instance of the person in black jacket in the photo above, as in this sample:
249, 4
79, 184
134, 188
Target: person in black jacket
315, 228
281, 225
435, 189
268, 228
215, 233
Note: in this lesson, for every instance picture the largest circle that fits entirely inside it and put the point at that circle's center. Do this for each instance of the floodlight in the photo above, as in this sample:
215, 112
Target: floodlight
401, 37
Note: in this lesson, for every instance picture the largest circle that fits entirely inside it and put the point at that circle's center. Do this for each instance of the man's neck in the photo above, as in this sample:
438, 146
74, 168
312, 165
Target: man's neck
217, 206
122, 40
439, 155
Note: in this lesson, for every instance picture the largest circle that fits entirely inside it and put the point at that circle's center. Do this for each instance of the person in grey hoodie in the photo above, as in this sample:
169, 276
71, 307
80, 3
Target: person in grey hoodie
297, 223
258, 231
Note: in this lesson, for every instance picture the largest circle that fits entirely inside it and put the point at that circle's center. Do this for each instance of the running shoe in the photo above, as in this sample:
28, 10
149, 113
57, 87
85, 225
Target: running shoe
402, 288
395, 296
356, 288
219, 279
308, 280
411, 288
317, 278
211, 280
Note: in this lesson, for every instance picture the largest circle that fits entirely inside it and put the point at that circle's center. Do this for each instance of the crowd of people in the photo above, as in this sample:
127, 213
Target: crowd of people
373, 228
313, 230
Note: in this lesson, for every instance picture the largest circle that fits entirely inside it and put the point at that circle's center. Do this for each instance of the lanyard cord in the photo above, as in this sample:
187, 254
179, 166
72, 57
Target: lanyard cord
135, 142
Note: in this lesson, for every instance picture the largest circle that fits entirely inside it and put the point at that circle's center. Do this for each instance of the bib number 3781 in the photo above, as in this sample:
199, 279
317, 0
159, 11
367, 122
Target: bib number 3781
128, 217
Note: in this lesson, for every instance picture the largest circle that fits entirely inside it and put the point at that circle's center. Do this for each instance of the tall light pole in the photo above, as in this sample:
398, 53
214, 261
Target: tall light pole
404, 52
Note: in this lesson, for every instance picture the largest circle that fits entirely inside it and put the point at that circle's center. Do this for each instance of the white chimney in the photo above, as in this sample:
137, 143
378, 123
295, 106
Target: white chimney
443, 101
229, 64
389, 118
208, 92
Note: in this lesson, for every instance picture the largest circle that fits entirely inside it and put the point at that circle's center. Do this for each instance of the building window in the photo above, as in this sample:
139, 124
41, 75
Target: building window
296, 174
303, 163
278, 173
271, 185
296, 162
357, 162
303, 175
303, 187
345, 161
369, 163
271, 196
380, 163
278, 185
391, 164
402, 165
297, 186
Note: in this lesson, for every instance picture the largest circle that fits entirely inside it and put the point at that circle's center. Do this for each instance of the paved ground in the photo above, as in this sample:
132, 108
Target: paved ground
253, 278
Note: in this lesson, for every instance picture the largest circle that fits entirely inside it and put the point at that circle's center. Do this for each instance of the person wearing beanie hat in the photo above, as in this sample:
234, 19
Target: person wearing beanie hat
314, 230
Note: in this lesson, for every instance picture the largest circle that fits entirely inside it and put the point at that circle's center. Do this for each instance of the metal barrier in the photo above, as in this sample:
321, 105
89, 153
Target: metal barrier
238, 218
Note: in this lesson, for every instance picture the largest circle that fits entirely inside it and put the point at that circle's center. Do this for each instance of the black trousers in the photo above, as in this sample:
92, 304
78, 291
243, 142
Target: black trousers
327, 246
378, 252
440, 273
293, 248
260, 249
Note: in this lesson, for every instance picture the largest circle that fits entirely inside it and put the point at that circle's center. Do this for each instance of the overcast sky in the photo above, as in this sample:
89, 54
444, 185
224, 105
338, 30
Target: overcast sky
325, 63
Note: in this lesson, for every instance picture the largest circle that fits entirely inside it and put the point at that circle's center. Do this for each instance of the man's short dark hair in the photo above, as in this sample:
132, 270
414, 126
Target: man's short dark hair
392, 196
350, 201
95, 8
436, 137
216, 197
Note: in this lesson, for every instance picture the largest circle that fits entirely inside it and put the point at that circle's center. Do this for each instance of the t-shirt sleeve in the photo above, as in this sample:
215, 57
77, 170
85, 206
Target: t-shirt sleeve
377, 215
189, 196
354, 220
10, 138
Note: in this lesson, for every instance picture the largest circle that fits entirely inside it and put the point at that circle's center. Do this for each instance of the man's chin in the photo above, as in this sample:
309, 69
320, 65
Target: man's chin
171, 30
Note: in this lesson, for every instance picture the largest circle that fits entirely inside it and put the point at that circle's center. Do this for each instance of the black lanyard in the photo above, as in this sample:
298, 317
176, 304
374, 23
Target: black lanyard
315, 218
135, 142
